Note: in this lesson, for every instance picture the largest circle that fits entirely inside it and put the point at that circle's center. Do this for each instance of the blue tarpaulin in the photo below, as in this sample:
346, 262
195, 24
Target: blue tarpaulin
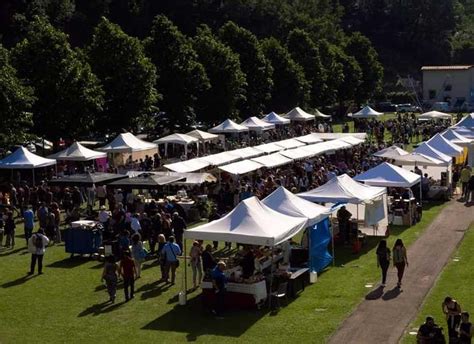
319, 241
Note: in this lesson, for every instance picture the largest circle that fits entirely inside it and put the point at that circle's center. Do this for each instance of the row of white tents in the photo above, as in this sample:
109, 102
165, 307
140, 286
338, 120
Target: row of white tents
269, 155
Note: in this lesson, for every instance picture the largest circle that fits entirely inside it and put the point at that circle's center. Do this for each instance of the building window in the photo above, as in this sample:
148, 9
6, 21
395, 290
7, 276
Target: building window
448, 87
432, 94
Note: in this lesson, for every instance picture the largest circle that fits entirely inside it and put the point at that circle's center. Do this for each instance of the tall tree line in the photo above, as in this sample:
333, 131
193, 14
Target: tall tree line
128, 77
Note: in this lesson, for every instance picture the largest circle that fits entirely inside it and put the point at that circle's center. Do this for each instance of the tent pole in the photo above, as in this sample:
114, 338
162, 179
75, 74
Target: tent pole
185, 269
271, 280
33, 170
332, 240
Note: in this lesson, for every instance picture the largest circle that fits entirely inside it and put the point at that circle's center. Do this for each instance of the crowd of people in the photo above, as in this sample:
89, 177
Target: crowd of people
460, 329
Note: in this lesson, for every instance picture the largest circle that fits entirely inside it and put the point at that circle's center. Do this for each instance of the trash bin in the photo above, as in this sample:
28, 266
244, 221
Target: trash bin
83, 237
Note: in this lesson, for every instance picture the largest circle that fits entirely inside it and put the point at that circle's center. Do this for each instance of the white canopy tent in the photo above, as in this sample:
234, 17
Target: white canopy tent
241, 167
467, 122
191, 178
309, 139
77, 152
228, 127
318, 113
272, 160
368, 202
273, 118
426, 149
439, 143
256, 124
335, 136
391, 152
269, 147
127, 143
366, 112
247, 152
299, 115
127, 146
203, 136
417, 159
344, 189
251, 223
456, 138
432, 115
354, 141
289, 143
298, 153
220, 158
389, 175
178, 139
188, 165
284, 202
23, 159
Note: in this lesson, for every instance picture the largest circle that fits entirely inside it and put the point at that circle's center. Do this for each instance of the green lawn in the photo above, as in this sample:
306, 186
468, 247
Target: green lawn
66, 303
456, 280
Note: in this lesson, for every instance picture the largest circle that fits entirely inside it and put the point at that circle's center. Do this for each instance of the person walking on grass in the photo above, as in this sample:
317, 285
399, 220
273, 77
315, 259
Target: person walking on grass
10, 228
400, 260
452, 310
138, 253
129, 272
109, 275
29, 222
171, 251
383, 259
37, 247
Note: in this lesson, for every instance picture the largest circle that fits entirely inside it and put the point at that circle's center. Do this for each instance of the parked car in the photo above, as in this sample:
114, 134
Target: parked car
441, 106
385, 107
402, 108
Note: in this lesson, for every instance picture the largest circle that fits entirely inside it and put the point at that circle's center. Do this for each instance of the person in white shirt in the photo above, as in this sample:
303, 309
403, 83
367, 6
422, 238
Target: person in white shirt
104, 217
37, 247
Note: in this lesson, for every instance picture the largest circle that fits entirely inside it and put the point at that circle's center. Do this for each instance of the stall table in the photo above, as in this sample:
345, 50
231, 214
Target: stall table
238, 295
298, 280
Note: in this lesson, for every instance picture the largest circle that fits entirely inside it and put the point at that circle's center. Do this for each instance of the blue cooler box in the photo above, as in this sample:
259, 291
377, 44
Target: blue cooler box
83, 237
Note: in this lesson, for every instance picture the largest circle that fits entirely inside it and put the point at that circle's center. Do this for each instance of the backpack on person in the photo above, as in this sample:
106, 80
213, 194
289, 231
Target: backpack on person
38, 241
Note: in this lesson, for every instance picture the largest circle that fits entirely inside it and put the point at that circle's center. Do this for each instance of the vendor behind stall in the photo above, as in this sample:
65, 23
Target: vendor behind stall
248, 263
343, 218
219, 280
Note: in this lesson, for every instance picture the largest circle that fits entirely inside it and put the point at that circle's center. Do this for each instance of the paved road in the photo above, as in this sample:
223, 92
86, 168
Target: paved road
384, 317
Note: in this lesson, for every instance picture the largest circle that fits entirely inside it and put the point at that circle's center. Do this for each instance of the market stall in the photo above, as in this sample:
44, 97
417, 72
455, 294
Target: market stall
178, 139
299, 115
273, 118
254, 224
403, 208
127, 147
257, 125
367, 204
23, 159
366, 112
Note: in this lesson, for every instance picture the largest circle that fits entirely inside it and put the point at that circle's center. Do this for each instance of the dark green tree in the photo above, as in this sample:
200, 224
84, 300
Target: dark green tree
334, 68
128, 78
69, 96
306, 53
256, 67
362, 50
181, 78
227, 80
16, 100
352, 78
290, 88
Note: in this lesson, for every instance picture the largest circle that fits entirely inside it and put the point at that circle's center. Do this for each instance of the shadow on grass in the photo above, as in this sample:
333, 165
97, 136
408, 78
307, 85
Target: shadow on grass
375, 294
100, 308
151, 265
8, 252
18, 281
195, 322
153, 289
67, 263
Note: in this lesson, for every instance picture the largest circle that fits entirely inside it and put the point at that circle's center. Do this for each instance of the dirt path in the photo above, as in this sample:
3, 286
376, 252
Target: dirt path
384, 315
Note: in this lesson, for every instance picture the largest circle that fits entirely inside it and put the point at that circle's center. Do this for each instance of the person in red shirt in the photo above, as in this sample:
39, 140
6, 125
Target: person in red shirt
128, 271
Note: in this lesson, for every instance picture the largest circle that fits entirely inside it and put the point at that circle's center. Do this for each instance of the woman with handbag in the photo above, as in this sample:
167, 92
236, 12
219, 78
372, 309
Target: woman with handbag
400, 260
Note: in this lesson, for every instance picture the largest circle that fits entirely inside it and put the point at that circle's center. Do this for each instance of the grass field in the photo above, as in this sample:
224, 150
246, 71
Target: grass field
66, 304
456, 280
